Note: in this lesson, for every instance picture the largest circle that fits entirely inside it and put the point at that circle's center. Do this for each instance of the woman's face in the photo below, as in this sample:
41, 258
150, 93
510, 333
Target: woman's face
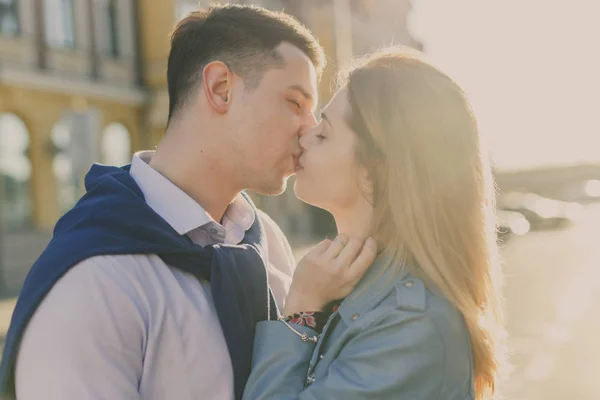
329, 176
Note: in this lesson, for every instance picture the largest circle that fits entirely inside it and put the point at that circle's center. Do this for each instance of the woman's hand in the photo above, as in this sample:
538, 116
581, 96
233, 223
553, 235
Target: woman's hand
330, 271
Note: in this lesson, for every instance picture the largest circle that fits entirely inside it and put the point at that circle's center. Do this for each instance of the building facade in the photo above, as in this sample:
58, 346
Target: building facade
84, 81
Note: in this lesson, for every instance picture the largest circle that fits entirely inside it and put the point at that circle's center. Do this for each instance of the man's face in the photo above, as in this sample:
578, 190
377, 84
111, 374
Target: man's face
268, 120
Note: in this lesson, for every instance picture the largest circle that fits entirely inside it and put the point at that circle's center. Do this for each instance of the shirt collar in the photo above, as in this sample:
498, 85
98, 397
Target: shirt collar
238, 218
176, 207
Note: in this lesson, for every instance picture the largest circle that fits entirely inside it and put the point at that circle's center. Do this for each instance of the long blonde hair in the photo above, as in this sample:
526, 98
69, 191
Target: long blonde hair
433, 190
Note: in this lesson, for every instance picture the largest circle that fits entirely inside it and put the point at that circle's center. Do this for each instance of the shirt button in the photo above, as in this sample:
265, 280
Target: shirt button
408, 284
213, 231
321, 357
310, 379
355, 317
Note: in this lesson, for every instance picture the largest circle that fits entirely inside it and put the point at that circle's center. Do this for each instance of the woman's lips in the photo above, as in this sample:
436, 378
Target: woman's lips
297, 164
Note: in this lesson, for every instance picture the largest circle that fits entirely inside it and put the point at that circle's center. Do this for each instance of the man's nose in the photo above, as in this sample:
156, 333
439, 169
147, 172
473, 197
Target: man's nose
302, 138
304, 134
306, 137
311, 122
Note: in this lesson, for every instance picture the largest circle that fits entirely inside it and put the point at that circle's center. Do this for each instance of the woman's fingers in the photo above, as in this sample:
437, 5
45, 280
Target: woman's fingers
350, 252
336, 246
329, 271
364, 260
320, 248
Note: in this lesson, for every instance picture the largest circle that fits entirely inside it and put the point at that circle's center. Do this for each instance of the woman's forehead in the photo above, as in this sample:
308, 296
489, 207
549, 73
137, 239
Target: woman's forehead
338, 105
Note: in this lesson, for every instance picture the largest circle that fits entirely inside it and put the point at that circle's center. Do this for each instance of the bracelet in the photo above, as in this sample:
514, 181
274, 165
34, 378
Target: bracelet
303, 336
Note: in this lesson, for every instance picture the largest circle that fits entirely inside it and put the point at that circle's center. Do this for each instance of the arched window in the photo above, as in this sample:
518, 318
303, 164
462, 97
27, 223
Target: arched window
115, 145
15, 173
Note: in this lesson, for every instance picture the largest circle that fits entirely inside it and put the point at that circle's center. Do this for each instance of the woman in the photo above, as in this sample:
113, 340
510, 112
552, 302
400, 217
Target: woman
397, 157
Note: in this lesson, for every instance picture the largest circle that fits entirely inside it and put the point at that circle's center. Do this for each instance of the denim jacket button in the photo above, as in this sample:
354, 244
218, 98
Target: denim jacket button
355, 316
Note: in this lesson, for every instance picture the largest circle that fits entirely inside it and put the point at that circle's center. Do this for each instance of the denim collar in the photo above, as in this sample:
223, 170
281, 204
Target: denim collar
378, 282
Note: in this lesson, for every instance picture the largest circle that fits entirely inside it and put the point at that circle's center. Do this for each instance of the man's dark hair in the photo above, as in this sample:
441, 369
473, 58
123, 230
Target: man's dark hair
245, 38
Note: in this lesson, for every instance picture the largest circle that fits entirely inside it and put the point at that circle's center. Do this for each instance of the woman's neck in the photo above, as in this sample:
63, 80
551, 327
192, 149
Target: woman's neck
355, 221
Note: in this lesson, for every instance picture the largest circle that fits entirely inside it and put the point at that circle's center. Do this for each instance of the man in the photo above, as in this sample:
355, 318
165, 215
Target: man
152, 284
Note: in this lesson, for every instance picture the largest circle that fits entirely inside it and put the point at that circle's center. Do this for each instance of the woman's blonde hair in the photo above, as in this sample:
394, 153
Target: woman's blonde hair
433, 190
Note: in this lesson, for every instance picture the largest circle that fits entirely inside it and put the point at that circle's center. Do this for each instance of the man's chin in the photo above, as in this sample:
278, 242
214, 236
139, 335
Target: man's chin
271, 188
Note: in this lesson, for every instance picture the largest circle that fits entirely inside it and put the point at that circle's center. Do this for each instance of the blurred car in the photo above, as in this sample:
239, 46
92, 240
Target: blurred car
586, 191
541, 212
511, 223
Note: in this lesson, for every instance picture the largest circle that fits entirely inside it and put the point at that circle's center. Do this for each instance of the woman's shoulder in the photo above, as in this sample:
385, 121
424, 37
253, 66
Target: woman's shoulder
416, 321
408, 301
391, 294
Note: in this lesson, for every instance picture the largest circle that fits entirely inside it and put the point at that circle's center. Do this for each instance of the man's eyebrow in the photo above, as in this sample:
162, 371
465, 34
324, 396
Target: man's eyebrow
300, 89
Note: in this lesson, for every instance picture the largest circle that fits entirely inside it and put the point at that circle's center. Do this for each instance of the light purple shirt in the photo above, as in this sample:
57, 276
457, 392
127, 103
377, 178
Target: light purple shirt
131, 327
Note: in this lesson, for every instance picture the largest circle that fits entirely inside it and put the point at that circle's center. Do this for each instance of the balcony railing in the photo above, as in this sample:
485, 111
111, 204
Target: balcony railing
67, 60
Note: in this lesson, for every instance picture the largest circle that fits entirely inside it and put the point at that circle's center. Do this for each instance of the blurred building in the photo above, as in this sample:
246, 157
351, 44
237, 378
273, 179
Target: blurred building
84, 81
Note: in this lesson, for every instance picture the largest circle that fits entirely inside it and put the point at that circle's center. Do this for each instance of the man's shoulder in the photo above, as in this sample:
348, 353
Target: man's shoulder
119, 264
132, 276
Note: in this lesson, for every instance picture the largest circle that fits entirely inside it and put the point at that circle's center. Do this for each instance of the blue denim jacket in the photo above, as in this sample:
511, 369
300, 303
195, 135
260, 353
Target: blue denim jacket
392, 338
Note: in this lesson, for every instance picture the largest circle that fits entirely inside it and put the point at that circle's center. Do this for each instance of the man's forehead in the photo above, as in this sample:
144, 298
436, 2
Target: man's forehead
298, 68
291, 53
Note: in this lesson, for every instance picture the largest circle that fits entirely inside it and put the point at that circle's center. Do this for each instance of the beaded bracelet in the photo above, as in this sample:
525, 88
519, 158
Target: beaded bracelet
304, 336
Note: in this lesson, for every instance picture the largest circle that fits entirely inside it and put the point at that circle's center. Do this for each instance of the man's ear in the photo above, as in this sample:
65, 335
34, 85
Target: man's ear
217, 81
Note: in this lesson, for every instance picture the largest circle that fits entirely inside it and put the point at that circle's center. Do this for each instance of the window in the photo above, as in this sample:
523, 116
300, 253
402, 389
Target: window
59, 21
15, 173
112, 29
9, 18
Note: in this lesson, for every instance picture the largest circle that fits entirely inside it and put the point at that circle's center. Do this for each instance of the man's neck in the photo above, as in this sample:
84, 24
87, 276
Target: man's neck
202, 180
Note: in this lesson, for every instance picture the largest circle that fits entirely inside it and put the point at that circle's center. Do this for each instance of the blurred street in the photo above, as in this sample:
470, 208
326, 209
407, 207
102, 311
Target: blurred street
552, 291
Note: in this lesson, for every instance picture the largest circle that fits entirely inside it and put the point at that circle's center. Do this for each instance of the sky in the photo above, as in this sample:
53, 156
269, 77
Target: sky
531, 69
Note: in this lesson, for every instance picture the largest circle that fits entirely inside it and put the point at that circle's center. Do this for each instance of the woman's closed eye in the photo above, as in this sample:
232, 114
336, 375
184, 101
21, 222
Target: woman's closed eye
319, 132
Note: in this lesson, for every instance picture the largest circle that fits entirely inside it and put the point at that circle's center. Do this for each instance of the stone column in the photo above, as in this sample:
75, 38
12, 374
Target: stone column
157, 19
